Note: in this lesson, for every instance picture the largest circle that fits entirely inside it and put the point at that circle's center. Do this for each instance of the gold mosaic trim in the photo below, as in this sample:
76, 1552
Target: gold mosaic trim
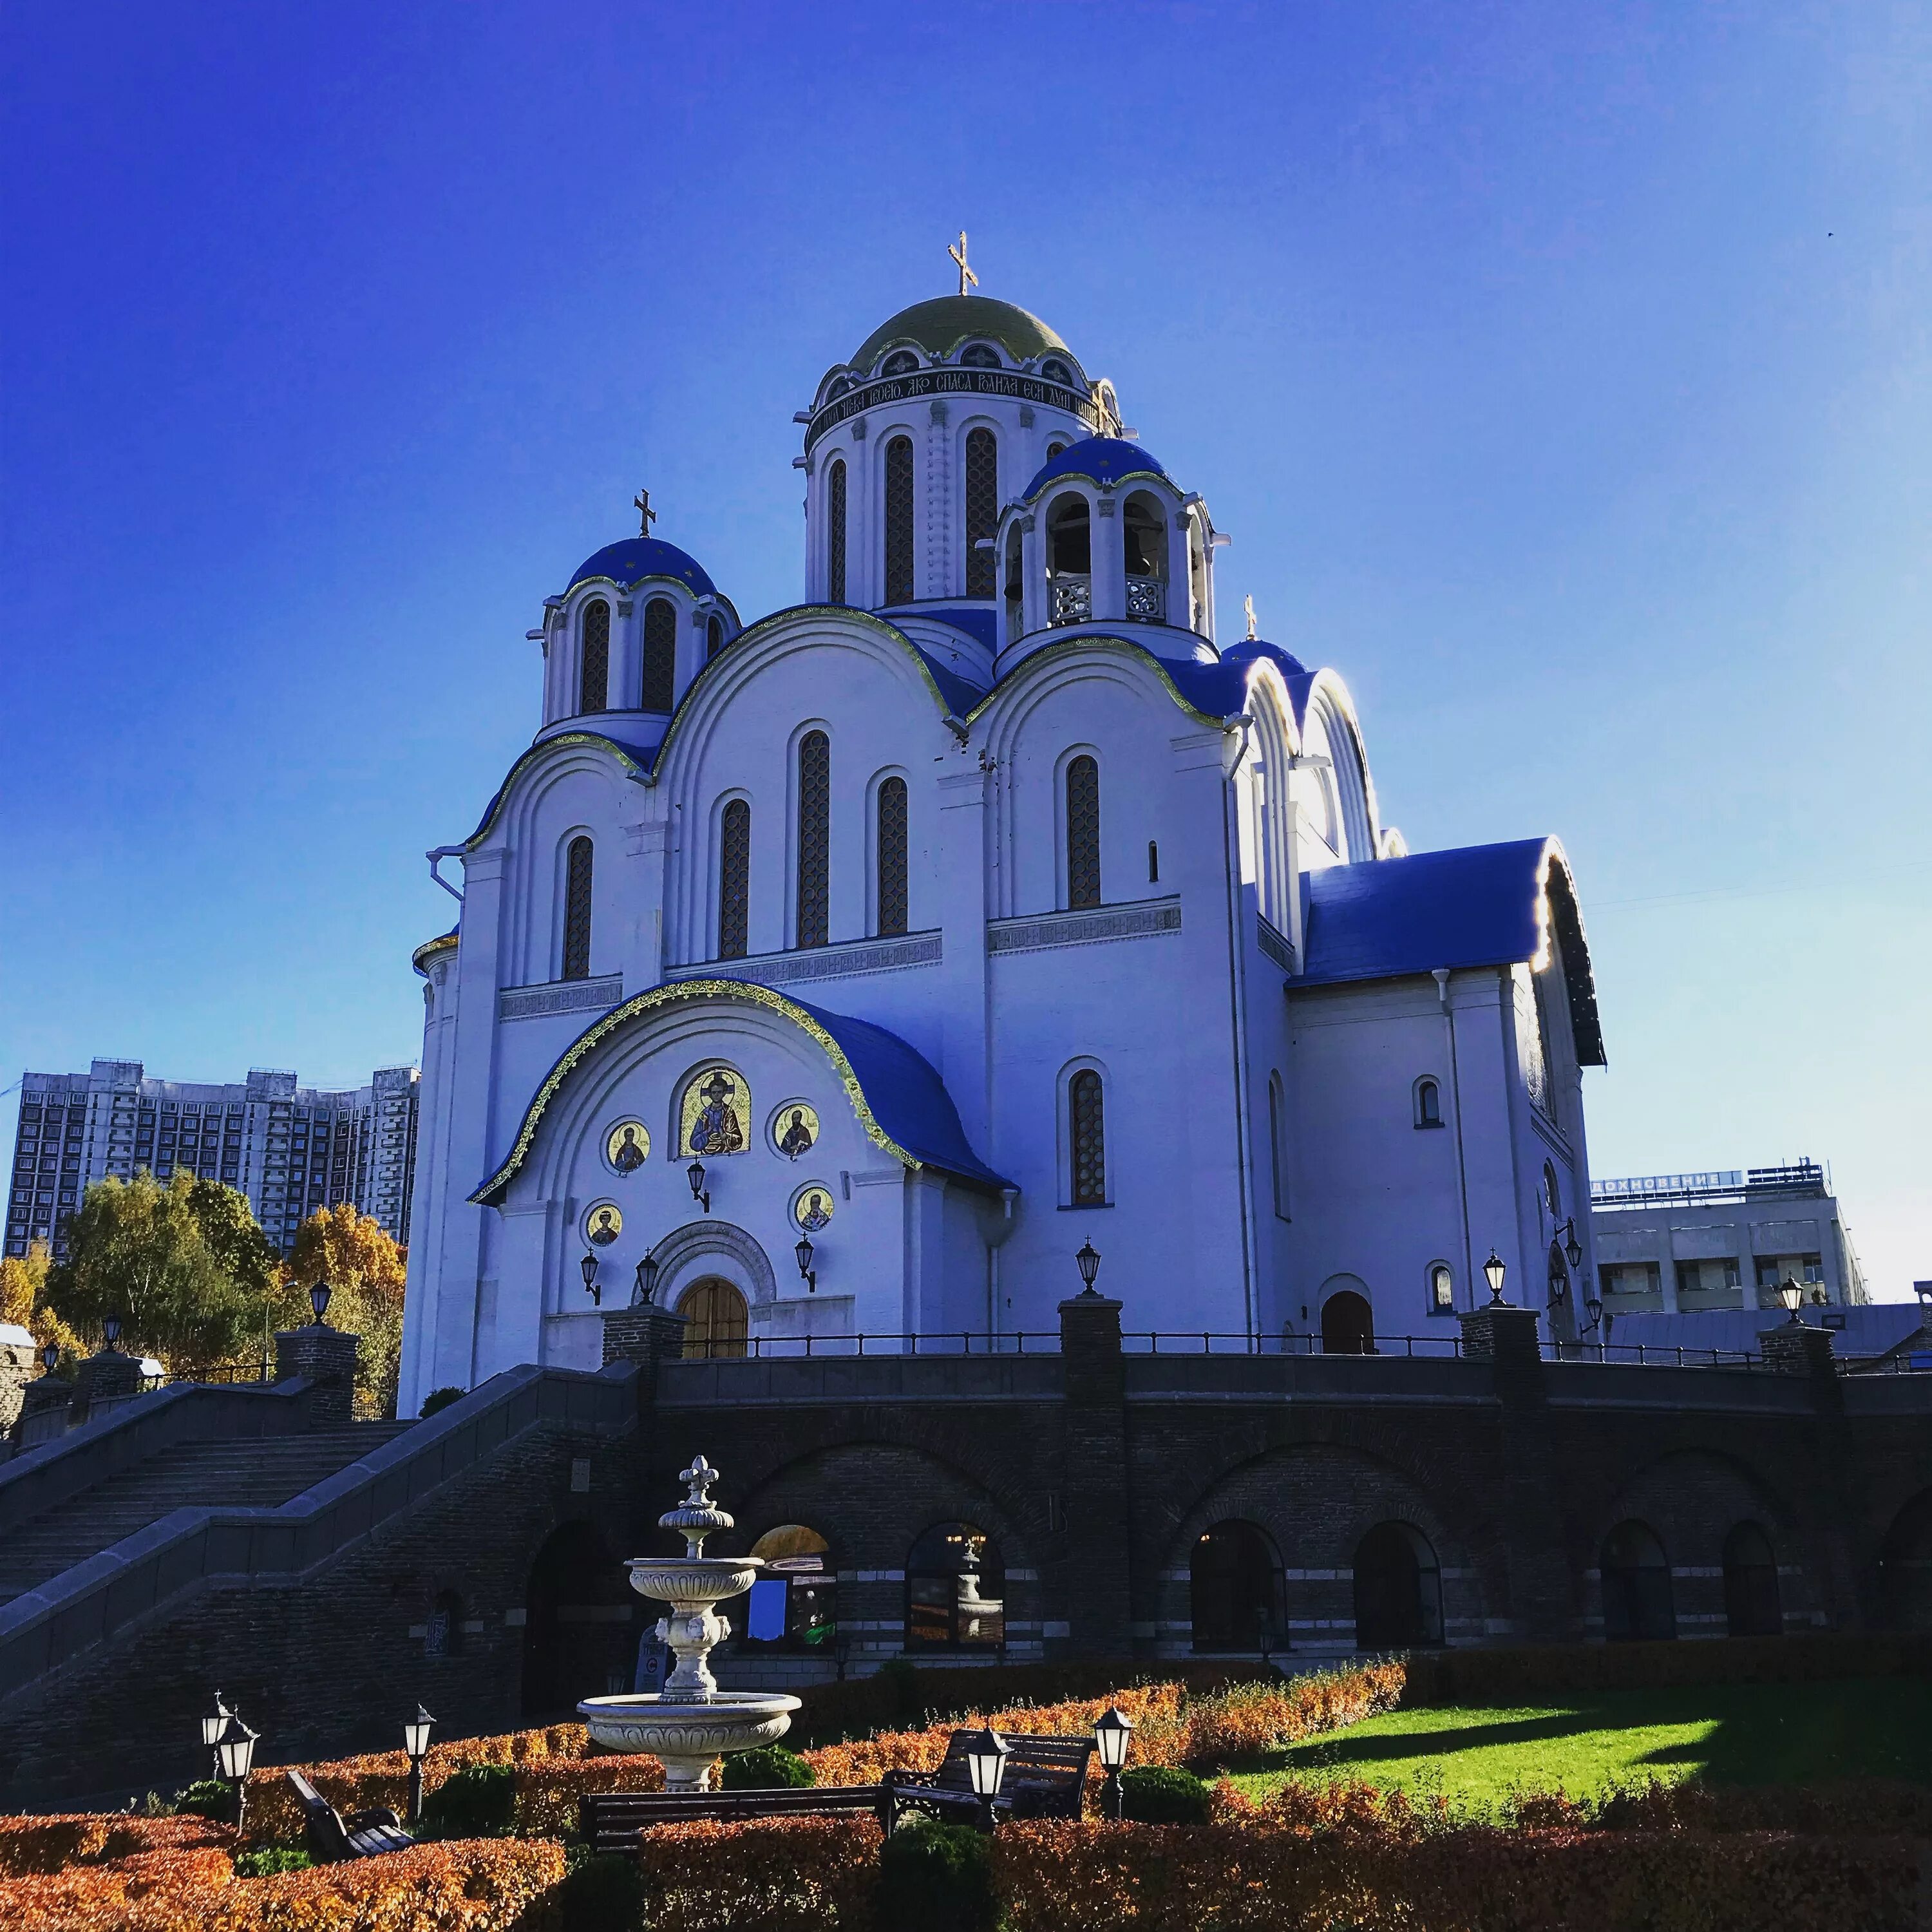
624, 758
1047, 652
446, 942
659, 997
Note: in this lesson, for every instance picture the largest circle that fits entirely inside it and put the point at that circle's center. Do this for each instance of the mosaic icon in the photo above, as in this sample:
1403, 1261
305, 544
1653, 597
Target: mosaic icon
627, 1146
716, 1105
811, 1208
795, 1129
604, 1224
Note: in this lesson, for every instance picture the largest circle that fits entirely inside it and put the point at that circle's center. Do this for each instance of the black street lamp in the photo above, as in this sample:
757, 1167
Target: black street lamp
695, 1174
986, 1755
587, 1267
1110, 1738
807, 1273
110, 1332
319, 1298
1791, 1294
212, 1725
234, 1752
1088, 1262
416, 1742
1493, 1271
50, 1356
1573, 1249
647, 1280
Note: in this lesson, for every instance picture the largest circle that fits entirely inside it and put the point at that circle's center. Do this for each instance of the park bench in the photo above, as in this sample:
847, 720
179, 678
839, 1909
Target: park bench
333, 1839
609, 1821
1045, 1777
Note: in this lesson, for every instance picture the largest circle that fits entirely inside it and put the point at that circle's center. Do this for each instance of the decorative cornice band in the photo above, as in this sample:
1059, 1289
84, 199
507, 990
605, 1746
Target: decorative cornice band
1277, 948
828, 962
560, 996
953, 382
1140, 920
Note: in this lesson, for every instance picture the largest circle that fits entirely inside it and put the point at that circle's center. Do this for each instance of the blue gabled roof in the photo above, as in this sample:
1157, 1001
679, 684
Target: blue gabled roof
1101, 459
1479, 905
637, 558
960, 694
981, 626
1220, 690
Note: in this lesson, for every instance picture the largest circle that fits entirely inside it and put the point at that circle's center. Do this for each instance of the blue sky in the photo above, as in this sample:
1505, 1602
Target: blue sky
1564, 375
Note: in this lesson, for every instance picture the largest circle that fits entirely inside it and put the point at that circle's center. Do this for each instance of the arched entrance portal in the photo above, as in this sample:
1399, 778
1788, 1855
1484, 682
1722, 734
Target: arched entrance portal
1398, 1590
1348, 1325
1636, 1577
1234, 1589
716, 1319
579, 1633
1751, 1605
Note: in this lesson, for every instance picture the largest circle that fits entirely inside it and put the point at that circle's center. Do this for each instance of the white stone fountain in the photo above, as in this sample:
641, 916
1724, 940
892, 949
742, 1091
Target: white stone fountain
691, 1722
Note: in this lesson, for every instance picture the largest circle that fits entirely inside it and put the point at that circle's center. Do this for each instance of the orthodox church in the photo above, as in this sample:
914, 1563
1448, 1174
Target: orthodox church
858, 970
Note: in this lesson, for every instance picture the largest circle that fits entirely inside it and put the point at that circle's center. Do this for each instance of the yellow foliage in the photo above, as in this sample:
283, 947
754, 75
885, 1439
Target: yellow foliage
23, 1287
348, 1249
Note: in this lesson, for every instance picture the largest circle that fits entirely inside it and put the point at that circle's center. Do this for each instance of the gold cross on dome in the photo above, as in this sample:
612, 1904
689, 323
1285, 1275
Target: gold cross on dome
1248, 604
641, 503
966, 274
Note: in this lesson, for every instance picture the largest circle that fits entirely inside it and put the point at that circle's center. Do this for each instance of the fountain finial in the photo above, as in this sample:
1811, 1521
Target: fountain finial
697, 1516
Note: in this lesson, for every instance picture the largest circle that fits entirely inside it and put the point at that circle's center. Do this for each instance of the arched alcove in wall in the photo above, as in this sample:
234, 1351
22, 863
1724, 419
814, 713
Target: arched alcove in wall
1348, 1318
578, 1635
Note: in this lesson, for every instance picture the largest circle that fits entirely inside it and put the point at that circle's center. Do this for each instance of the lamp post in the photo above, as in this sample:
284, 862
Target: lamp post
647, 1280
695, 1174
986, 1754
50, 1356
235, 1752
1110, 1738
416, 1742
110, 1332
1088, 1262
1923, 1289
1791, 1295
319, 1298
1573, 1249
807, 1273
587, 1267
212, 1725
1494, 1269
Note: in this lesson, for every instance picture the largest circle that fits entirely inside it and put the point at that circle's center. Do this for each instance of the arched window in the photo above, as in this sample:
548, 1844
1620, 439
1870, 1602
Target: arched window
1553, 1197
1348, 1324
955, 1590
1398, 1590
891, 856
1635, 1580
1751, 1605
1053, 449
1016, 585
834, 532
899, 520
792, 1605
1086, 1138
900, 362
660, 654
1083, 831
979, 355
734, 871
1234, 1596
581, 1626
714, 1319
1277, 1171
1070, 561
1441, 1288
714, 638
576, 963
1428, 1104
1144, 532
982, 509
815, 833
593, 681
1055, 370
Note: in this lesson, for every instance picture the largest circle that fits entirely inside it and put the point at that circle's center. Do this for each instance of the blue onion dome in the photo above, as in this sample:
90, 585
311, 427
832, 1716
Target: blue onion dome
629, 563
1100, 459
940, 326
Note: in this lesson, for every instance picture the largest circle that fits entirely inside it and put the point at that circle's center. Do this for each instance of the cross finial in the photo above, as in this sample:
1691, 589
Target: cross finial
646, 516
966, 274
1248, 604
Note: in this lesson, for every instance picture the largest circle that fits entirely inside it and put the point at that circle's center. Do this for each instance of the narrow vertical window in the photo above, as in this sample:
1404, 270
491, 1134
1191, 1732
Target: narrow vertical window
1154, 863
1088, 1138
1275, 1171
899, 520
892, 856
576, 912
714, 638
814, 834
593, 681
982, 510
1083, 832
834, 533
660, 654
734, 873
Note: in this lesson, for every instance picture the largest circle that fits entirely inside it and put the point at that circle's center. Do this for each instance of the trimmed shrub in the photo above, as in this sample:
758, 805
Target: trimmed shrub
439, 1399
270, 1860
478, 1803
208, 1797
777, 1875
1158, 1794
602, 1892
766, 1767
937, 1878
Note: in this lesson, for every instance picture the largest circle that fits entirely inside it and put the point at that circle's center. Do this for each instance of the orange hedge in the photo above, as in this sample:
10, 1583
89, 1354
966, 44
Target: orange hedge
784, 1875
30, 1845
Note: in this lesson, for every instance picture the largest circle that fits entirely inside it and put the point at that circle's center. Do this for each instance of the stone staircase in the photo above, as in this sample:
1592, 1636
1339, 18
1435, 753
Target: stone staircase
257, 1472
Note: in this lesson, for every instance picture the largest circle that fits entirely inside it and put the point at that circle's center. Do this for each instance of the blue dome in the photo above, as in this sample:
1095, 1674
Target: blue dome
1101, 459
636, 558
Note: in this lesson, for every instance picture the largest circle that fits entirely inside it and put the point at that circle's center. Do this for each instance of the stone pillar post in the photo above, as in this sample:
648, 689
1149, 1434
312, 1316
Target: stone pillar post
1093, 1580
644, 1334
106, 1378
46, 1405
1797, 1349
18, 1369
327, 1357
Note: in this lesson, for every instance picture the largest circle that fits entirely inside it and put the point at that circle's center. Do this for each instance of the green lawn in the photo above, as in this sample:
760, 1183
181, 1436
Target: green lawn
1731, 1734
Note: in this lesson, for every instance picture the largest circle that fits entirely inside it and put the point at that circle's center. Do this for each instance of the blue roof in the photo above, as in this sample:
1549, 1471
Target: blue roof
1101, 459
1220, 690
1479, 905
637, 558
981, 626
960, 695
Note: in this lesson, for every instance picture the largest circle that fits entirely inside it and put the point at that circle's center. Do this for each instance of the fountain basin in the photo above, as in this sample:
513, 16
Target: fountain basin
692, 1580
686, 1735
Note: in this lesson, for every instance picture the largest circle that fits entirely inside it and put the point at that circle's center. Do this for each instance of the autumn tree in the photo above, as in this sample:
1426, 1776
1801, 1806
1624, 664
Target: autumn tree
23, 1299
365, 1269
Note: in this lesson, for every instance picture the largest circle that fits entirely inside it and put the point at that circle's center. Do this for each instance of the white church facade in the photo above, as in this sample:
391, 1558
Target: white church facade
844, 973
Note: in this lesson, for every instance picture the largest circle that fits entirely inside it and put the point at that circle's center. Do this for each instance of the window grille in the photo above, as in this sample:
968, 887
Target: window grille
734, 868
1089, 1140
982, 509
576, 912
593, 686
660, 654
834, 534
815, 814
1083, 832
714, 638
899, 520
892, 855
